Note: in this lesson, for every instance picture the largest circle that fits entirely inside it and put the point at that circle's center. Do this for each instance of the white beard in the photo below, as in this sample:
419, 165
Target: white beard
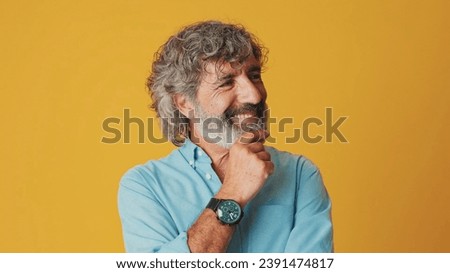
216, 129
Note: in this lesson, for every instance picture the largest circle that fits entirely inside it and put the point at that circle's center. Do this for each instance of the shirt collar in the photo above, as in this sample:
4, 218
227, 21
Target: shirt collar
194, 153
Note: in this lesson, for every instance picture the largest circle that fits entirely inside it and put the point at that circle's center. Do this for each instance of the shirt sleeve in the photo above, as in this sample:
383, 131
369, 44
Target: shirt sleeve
313, 229
146, 224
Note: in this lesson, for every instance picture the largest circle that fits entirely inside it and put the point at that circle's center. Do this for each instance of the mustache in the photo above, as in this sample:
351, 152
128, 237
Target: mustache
255, 109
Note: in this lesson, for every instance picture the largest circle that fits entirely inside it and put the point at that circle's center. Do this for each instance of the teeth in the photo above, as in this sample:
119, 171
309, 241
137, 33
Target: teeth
244, 116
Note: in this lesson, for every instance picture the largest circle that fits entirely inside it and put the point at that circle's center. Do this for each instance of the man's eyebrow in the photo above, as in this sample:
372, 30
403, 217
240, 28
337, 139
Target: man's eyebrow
224, 78
228, 76
253, 68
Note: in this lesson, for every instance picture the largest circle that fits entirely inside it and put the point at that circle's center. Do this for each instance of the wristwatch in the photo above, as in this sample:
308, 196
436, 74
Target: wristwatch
228, 211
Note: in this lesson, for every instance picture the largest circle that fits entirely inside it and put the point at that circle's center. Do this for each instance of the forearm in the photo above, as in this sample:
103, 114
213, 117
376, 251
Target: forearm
207, 234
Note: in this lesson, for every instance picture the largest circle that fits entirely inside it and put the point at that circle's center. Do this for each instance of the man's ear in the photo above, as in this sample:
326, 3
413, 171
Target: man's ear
183, 104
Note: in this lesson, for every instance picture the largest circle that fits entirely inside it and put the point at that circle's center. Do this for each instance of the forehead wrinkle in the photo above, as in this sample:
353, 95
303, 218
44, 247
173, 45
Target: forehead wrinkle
225, 70
215, 72
208, 74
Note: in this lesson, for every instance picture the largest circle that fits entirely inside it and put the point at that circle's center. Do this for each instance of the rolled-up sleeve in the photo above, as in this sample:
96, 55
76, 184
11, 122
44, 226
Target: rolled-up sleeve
146, 224
313, 229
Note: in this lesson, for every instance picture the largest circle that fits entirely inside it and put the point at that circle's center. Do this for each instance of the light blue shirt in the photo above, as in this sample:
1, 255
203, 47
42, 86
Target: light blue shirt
160, 200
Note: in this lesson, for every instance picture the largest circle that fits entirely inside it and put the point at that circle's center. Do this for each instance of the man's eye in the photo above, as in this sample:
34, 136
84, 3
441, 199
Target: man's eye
227, 83
255, 77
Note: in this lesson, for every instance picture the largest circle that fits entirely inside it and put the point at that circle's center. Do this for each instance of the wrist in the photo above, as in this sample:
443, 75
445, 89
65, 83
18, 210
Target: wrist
228, 211
222, 194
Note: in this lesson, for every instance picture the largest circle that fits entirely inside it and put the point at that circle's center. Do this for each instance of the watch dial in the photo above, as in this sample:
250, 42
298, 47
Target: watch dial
229, 212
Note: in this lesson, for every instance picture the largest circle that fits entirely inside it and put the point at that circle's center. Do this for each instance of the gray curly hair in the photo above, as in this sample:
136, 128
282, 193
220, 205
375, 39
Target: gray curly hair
179, 65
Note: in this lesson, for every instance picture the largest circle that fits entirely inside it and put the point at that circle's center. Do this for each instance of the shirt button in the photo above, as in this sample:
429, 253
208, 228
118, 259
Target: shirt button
200, 153
208, 176
191, 162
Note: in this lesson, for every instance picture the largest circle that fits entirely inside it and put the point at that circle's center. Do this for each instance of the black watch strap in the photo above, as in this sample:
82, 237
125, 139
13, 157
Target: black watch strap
213, 204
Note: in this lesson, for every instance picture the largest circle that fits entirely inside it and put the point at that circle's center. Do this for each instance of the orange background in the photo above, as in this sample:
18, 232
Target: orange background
68, 65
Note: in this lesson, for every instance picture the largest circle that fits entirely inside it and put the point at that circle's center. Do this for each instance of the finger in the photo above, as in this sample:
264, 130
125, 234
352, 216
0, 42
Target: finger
270, 167
265, 156
253, 136
264, 134
255, 147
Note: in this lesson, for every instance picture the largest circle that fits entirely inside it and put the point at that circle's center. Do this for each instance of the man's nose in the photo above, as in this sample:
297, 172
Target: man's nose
248, 92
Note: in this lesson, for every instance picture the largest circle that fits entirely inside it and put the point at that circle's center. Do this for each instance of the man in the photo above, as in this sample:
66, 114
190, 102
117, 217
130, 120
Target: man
222, 190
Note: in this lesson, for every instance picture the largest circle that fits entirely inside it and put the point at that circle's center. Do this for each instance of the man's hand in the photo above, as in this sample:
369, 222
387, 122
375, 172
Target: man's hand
247, 168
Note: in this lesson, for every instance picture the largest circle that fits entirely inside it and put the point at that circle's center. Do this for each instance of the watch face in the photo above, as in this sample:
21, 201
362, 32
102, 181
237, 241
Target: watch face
229, 212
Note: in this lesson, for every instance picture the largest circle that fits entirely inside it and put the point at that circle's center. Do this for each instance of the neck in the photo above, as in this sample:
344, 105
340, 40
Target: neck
217, 153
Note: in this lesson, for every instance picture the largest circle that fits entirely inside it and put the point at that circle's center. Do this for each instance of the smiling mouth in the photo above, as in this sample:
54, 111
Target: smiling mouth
247, 122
